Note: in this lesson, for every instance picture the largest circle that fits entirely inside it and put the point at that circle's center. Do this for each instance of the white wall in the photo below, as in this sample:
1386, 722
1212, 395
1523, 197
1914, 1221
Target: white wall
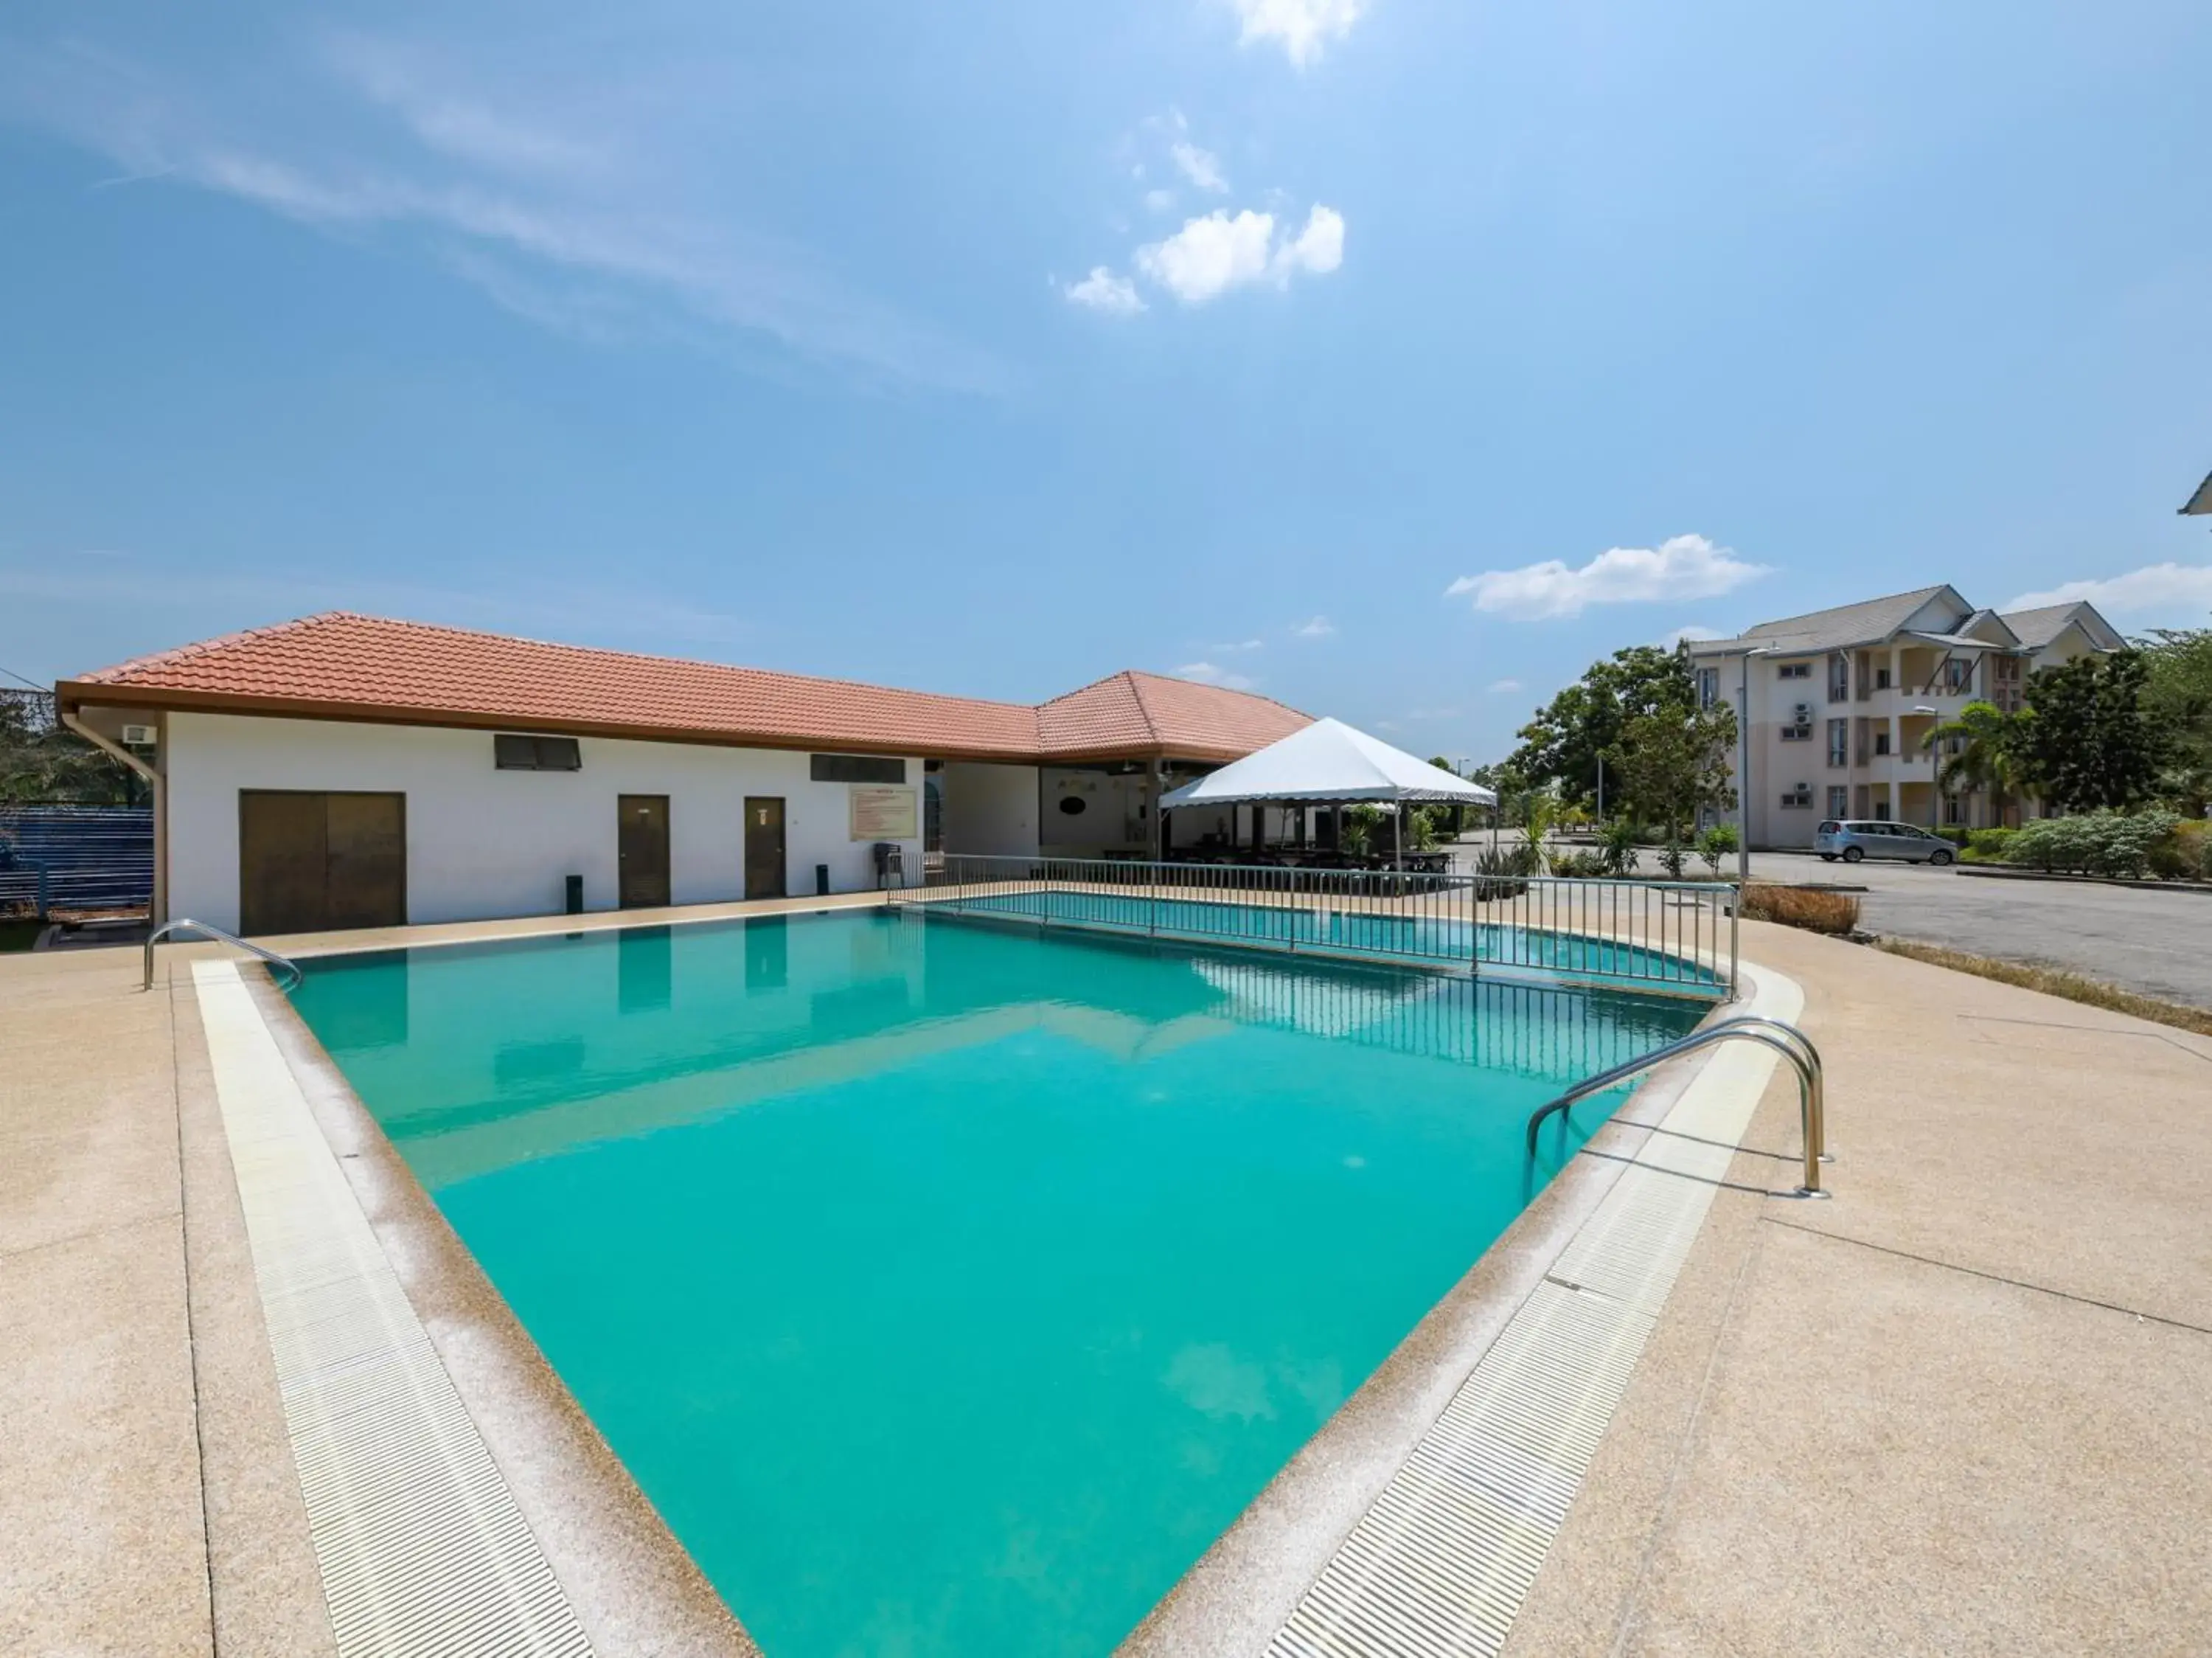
1111, 818
990, 808
484, 843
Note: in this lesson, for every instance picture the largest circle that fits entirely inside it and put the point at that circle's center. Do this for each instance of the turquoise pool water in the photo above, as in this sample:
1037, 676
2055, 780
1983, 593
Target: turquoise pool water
1417, 936
949, 1288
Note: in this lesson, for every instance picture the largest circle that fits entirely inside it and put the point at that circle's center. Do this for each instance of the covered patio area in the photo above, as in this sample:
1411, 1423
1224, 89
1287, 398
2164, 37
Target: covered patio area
1292, 803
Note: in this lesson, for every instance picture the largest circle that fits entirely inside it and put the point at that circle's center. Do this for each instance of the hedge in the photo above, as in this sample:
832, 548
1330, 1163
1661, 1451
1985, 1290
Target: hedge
2093, 843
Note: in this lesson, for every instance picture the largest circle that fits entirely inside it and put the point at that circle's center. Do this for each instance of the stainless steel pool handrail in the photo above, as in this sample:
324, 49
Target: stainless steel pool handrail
221, 937
1785, 1039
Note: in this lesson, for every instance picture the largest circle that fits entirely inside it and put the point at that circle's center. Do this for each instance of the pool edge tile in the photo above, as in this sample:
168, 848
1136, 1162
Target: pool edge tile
624, 1582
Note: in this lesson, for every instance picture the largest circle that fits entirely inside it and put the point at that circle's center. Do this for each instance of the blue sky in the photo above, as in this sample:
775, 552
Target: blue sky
1319, 344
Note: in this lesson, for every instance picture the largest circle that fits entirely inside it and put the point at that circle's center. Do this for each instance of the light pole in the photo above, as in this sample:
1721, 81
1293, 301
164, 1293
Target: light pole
1934, 774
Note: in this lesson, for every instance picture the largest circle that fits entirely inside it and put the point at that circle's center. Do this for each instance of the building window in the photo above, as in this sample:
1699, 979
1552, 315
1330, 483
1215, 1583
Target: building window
1709, 687
1801, 796
1839, 678
1881, 742
1952, 813
1839, 800
1881, 679
2004, 683
1958, 675
1801, 732
1794, 671
1840, 742
855, 768
519, 753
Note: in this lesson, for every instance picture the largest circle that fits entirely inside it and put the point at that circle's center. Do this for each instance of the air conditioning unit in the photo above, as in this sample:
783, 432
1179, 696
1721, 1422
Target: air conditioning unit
1804, 714
139, 736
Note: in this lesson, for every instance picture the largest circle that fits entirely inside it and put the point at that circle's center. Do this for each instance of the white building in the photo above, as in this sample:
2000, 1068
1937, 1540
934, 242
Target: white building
1842, 701
347, 770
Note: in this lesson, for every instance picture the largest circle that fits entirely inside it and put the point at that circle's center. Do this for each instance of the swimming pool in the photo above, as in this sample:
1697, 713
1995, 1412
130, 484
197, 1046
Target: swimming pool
1416, 935
949, 1288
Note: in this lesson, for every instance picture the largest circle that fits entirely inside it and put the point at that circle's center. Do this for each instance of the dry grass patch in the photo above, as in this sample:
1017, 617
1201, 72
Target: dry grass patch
2052, 982
1801, 907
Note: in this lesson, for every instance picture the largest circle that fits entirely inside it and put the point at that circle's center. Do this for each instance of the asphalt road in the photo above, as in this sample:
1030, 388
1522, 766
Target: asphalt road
2158, 943
2154, 942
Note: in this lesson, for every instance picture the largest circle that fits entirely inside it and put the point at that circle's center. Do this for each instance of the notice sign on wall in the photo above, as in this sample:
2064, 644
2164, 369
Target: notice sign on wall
883, 813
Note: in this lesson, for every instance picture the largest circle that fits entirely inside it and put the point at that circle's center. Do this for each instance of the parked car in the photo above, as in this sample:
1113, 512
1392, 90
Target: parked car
1854, 838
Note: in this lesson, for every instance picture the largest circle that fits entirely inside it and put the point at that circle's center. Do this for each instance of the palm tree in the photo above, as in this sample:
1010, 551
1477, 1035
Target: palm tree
1986, 740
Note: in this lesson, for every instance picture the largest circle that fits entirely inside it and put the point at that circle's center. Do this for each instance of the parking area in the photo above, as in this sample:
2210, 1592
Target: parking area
2159, 943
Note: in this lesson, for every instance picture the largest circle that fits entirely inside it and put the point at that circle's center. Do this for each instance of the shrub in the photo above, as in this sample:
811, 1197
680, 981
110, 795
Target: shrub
1986, 845
1617, 846
2093, 843
1807, 907
1956, 835
1671, 856
1578, 866
1717, 842
1504, 870
2185, 853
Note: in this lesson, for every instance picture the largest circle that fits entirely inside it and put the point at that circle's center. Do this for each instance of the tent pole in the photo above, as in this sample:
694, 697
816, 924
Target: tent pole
1398, 846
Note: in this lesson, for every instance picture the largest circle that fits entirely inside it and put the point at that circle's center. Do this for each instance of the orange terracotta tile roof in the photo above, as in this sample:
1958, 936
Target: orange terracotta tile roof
342, 665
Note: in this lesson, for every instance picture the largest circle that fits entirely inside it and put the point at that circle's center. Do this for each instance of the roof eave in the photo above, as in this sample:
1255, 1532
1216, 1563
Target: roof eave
73, 694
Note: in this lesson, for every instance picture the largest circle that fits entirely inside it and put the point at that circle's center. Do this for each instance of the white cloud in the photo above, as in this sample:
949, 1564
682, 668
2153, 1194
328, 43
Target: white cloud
1159, 201
2155, 589
1201, 166
1207, 673
1319, 628
1299, 27
1319, 247
1101, 290
1504, 687
1210, 255
1241, 645
1676, 636
1681, 567
563, 189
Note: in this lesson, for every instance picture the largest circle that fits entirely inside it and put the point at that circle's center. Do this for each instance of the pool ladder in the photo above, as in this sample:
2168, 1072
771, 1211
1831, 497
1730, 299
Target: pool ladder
219, 936
1785, 1039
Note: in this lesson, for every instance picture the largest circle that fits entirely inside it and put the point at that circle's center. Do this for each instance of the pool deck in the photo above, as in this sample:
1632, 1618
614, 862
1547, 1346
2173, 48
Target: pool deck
1966, 1406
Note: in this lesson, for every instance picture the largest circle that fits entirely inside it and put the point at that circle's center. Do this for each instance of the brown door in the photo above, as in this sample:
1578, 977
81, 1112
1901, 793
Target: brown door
310, 861
642, 844
763, 847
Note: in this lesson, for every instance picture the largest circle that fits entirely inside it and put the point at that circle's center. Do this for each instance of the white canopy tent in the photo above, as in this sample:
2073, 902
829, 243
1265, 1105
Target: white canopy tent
1330, 762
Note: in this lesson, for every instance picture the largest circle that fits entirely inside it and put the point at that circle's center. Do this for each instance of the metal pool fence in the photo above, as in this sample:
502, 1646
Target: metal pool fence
1677, 935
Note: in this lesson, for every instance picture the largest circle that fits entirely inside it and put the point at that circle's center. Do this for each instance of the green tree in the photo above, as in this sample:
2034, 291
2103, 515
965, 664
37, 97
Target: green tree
42, 761
2087, 740
2177, 695
1673, 762
1446, 819
1988, 741
1563, 743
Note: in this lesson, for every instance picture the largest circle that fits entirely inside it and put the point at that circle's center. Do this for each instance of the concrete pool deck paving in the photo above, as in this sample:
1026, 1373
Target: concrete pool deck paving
1966, 1406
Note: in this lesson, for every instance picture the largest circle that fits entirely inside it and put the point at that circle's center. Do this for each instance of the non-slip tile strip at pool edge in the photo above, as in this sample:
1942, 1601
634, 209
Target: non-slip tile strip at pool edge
1440, 1565
421, 1547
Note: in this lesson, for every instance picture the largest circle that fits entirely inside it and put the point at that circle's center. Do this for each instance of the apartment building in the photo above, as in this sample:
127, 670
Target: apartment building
1841, 703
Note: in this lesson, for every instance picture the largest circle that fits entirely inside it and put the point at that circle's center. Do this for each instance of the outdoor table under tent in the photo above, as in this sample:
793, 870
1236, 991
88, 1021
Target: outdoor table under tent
1324, 768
